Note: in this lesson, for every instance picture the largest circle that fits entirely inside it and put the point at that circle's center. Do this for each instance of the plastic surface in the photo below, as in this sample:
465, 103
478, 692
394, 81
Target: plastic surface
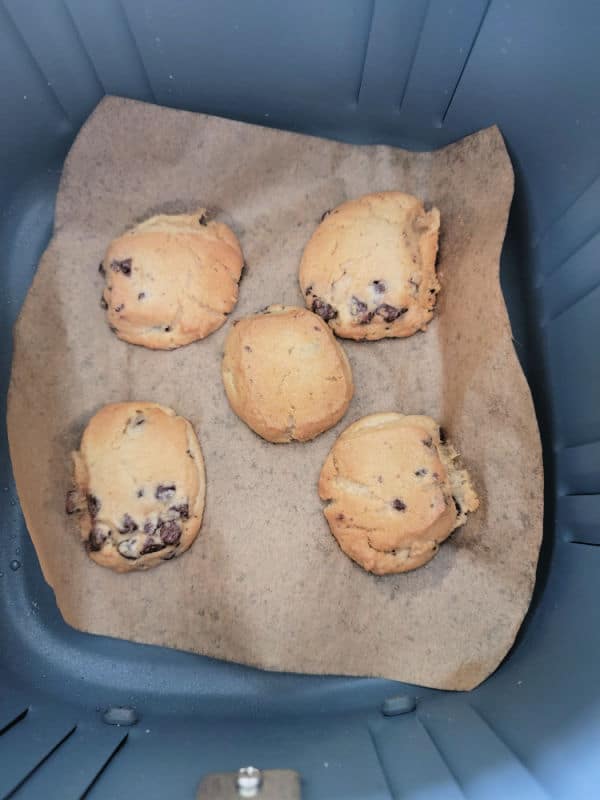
413, 73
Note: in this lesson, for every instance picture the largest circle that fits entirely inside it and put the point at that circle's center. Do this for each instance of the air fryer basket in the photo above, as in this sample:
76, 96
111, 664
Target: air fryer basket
416, 73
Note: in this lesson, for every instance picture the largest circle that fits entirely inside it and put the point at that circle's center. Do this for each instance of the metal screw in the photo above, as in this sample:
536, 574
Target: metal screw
249, 780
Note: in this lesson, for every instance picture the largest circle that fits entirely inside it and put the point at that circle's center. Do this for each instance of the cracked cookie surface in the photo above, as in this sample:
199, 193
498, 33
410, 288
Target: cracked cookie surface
285, 374
171, 280
394, 491
369, 268
138, 486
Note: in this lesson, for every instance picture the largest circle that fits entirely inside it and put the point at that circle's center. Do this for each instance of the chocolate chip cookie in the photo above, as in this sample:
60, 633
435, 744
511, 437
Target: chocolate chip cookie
138, 486
171, 280
369, 268
285, 375
394, 491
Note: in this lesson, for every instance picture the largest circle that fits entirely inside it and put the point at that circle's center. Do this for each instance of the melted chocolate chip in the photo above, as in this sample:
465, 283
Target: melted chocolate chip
101, 269
308, 290
97, 539
325, 214
128, 524
428, 442
323, 309
151, 546
141, 295
183, 510
121, 266
170, 532
379, 286
359, 309
93, 505
149, 527
390, 313
421, 472
103, 304
443, 436
72, 501
203, 220
165, 493
398, 504
120, 307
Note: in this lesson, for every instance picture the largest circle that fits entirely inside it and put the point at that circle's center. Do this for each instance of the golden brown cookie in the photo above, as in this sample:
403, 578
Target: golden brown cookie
139, 486
171, 280
285, 375
394, 491
369, 268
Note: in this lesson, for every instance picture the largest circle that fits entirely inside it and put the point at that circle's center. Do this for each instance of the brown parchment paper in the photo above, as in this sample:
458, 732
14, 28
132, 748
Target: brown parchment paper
265, 583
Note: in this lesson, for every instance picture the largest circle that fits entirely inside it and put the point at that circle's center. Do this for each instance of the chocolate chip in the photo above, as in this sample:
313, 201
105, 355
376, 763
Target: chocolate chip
128, 549
72, 501
120, 307
183, 510
121, 266
340, 517
140, 492
149, 527
432, 291
128, 524
325, 214
103, 304
457, 504
323, 309
150, 546
359, 309
428, 442
101, 269
168, 329
141, 295
170, 532
93, 505
421, 472
398, 504
308, 290
97, 538
443, 436
247, 348
390, 313
203, 220
379, 286
165, 493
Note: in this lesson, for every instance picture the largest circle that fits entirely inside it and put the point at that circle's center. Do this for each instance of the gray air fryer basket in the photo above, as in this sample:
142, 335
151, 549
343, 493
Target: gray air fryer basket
415, 73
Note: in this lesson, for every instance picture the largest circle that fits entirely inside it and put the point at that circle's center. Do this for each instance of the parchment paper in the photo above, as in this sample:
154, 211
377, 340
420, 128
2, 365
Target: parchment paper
265, 583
